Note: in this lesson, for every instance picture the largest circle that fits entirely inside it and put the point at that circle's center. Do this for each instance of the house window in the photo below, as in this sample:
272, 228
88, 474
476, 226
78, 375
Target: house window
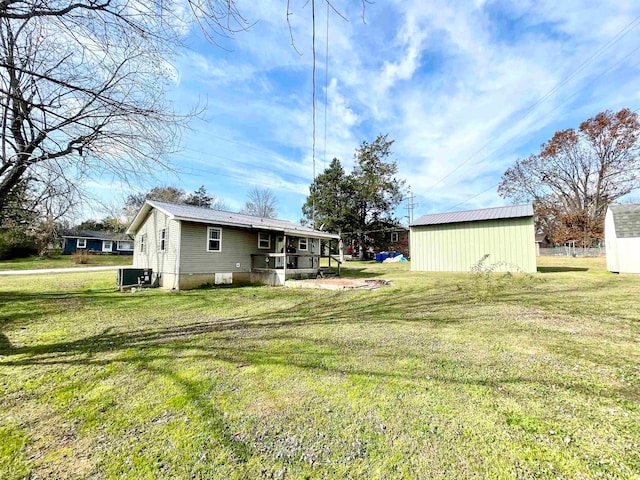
125, 246
82, 243
264, 240
214, 239
143, 243
162, 240
303, 244
394, 237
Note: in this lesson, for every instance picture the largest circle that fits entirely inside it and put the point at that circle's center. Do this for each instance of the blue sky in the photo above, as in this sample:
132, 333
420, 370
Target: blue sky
464, 88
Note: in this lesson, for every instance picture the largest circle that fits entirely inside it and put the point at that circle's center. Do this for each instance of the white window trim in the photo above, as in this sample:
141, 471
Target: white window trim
119, 242
306, 244
394, 237
104, 245
261, 238
162, 240
84, 243
219, 239
143, 243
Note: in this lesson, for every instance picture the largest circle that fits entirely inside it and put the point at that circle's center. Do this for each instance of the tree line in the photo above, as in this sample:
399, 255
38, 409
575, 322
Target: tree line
25, 233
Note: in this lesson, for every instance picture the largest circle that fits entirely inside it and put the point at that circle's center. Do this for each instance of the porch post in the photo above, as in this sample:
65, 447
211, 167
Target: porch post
284, 251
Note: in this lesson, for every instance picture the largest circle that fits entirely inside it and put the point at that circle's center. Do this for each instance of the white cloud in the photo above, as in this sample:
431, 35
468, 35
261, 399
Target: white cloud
456, 84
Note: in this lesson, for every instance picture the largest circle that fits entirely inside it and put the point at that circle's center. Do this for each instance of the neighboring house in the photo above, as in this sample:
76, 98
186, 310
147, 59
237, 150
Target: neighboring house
395, 240
622, 238
187, 246
97, 242
454, 242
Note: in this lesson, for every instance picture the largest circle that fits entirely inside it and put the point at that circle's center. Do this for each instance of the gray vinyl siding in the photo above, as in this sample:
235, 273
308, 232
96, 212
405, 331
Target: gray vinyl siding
237, 247
457, 247
160, 262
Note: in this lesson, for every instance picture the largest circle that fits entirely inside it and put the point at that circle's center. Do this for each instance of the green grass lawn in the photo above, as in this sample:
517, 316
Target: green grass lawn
63, 261
436, 376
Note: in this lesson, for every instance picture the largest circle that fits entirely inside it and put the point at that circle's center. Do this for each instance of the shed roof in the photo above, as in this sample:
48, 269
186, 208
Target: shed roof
541, 237
195, 214
626, 219
496, 213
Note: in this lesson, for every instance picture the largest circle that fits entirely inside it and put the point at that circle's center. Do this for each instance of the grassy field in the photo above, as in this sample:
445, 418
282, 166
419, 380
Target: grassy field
436, 376
63, 261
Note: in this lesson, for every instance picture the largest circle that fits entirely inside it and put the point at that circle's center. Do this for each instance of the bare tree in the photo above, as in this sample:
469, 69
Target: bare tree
82, 84
199, 198
261, 203
578, 174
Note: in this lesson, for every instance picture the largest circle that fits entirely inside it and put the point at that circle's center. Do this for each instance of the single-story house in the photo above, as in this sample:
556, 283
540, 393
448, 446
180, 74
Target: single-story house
97, 242
502, 238
188, 246
622, 238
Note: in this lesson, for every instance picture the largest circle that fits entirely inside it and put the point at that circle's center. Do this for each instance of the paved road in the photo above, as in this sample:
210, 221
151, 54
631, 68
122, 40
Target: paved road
59, 270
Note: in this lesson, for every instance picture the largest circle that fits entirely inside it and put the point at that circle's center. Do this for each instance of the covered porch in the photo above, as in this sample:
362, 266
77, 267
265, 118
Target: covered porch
275, 268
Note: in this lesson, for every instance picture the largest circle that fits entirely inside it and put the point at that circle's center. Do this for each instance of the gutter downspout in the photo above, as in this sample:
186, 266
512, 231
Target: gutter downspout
176, 282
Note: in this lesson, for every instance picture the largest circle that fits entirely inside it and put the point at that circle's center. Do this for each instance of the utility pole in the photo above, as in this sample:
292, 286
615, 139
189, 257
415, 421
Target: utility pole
410, 206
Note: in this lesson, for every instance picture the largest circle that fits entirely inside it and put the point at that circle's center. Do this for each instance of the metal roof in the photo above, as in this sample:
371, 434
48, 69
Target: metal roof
626, 219
191, 213
496, 213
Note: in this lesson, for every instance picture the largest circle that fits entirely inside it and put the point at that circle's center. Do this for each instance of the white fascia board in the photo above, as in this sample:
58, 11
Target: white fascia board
93, 238
142, 214
312, 234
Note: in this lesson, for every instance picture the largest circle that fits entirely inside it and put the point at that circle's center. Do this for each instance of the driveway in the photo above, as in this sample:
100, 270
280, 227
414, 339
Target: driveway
59, 270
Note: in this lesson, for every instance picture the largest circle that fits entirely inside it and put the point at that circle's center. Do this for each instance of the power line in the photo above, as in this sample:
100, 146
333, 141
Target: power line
556, 108
218, 174
495, 185
229, 140
326, 91
475, 196
237, 162
560, 106
313, 104
530, 109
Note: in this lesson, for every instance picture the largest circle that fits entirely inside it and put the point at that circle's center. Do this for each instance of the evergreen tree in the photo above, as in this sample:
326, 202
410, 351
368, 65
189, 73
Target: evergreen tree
362, 201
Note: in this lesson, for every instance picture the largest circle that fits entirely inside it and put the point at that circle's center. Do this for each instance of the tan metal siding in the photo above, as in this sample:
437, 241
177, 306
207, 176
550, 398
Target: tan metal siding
160, 262
458, 247
237, 247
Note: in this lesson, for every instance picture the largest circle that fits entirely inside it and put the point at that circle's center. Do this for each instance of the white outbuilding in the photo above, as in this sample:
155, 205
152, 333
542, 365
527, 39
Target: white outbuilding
622, 237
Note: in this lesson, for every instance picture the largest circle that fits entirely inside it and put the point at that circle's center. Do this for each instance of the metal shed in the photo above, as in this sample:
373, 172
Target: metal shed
456, 241
622, 238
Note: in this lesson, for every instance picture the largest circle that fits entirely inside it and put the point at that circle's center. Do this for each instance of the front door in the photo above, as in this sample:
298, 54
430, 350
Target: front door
280, 249
107, 246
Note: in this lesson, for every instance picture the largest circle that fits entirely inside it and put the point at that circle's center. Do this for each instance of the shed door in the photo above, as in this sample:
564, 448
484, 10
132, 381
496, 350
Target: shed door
107, 245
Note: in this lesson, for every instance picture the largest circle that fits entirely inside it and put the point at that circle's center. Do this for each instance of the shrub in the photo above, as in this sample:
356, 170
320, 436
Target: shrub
81, 258
489, 284
15, 243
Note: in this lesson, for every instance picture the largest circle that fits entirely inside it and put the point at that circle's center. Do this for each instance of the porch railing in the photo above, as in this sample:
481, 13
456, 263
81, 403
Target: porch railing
289, 261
